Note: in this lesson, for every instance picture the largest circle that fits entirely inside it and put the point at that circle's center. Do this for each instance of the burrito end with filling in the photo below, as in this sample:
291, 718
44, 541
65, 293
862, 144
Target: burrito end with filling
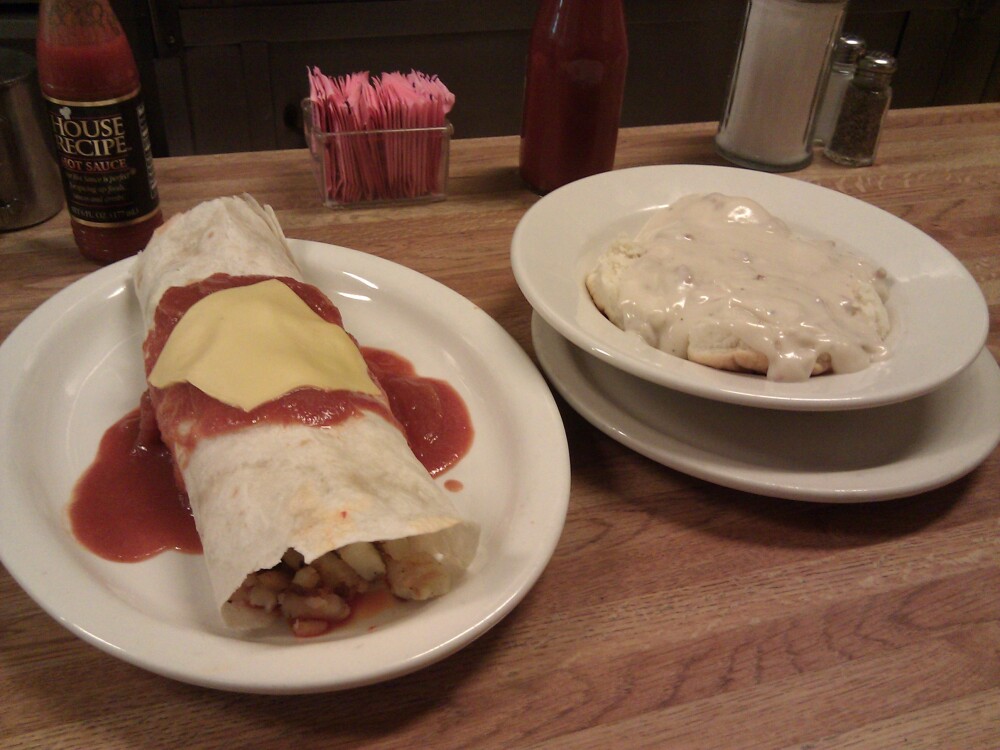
302, 484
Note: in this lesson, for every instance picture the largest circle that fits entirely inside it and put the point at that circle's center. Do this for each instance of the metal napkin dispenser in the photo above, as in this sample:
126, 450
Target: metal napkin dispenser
30, 186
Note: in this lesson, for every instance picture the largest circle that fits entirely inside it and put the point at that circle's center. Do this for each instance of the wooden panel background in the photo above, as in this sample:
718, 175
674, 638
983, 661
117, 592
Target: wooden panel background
227, 75
681, 53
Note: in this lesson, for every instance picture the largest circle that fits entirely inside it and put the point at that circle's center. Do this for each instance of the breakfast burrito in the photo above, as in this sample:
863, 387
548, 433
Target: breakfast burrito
301, 482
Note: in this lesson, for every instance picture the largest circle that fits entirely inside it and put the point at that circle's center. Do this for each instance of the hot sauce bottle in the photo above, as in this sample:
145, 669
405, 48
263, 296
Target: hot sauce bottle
90, 82
574, 88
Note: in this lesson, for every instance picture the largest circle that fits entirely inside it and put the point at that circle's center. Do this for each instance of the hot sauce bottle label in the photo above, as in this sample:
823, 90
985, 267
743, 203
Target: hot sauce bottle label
106, 159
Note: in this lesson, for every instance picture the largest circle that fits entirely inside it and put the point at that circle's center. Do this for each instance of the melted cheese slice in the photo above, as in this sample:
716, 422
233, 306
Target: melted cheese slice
252, 344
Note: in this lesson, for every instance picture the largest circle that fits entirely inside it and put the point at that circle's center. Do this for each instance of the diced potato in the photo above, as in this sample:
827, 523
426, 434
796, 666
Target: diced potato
306, 577
293, 559
337, 575
275, 580
303, 628
364, 558
318, 606
413, 573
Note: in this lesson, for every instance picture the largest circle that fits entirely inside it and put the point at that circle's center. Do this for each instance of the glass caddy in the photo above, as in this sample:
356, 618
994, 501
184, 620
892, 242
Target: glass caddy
360, 168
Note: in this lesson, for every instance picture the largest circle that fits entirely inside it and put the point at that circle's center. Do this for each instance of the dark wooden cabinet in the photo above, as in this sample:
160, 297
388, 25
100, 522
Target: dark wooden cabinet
228, 75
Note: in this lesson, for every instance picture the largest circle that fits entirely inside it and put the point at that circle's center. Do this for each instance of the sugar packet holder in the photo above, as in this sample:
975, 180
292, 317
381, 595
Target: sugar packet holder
373, 167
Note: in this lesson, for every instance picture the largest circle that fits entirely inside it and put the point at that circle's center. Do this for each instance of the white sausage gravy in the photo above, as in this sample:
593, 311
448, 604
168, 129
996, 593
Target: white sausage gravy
720, 281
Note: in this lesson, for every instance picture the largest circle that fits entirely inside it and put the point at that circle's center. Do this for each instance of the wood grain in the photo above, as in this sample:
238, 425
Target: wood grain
674, 614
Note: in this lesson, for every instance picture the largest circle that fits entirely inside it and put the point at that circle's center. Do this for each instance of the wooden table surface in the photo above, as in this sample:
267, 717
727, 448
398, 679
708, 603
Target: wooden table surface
674, 613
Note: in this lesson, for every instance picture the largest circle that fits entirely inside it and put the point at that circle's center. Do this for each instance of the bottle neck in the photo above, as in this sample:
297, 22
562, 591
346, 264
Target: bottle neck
581, 27
78, 22
83, 53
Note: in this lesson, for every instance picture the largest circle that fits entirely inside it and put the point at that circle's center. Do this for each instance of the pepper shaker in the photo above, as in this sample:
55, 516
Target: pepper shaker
780, 73
859, 124
846, 54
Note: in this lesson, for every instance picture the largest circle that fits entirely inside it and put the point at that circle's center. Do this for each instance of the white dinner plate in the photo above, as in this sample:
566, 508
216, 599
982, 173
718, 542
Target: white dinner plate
940, 319
73, 367
853, 456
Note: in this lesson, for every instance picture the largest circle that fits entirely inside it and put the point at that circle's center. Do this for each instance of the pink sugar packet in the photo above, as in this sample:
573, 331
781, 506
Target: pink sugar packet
383, 137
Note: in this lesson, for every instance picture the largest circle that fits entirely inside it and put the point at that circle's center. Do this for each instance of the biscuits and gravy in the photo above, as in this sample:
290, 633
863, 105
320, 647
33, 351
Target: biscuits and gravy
718, 280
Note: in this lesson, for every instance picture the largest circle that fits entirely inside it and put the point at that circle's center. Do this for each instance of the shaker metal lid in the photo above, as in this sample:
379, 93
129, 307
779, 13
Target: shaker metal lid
849, 48
878, 62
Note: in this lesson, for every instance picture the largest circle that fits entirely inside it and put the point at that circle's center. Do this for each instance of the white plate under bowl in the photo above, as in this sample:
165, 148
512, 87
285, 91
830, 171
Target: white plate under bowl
853, 456
73, 367
940, 318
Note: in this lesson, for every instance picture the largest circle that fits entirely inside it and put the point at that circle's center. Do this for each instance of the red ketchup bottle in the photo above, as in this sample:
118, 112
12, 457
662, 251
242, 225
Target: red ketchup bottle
90, 82
573, 91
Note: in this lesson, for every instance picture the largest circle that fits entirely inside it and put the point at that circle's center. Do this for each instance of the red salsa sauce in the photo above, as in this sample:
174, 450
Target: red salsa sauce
432, 414
130, 504
127, 506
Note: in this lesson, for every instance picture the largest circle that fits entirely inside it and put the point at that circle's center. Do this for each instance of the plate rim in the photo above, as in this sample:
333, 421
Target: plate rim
547, 340
689, 377
475, 619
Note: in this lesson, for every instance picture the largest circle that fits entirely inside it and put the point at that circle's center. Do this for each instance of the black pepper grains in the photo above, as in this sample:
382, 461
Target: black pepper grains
859, 125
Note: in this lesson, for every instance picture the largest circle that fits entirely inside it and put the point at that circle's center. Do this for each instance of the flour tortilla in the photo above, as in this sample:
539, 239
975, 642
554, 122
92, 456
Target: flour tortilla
261, 490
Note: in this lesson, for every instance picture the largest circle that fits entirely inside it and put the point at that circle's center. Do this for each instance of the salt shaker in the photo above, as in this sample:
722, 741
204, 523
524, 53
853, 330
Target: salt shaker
781, 71
849, 49
855, 139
